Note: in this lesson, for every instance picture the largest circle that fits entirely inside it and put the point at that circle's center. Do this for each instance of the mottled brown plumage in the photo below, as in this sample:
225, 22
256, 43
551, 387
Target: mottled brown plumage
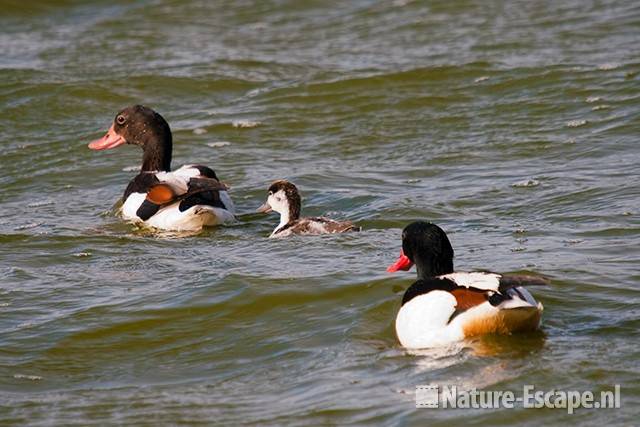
316, 225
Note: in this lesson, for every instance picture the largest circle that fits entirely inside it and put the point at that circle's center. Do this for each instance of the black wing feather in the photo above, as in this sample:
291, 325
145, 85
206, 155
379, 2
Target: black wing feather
206, 171
147, 209
203, 191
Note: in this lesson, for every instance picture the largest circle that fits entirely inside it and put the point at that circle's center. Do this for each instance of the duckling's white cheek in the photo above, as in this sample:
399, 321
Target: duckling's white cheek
272, 202
278, 202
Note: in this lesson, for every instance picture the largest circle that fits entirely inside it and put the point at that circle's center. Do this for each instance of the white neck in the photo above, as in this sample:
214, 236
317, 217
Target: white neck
284, 220
279, 203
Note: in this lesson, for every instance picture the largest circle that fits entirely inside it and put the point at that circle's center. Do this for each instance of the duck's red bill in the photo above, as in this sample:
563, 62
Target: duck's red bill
110, 140
403, 263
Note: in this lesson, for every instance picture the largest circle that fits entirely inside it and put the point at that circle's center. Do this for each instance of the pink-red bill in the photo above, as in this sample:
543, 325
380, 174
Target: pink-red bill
403, 263
110, 140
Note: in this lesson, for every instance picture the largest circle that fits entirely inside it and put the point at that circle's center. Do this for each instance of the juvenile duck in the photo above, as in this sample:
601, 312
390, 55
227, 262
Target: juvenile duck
444, 306
284, 198
184, 200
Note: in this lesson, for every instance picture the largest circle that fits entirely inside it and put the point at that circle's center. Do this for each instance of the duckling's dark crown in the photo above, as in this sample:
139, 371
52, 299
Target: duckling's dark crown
283, 185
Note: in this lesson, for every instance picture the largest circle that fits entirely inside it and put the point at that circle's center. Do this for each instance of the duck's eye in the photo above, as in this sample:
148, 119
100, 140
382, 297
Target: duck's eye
271, 193
120, 119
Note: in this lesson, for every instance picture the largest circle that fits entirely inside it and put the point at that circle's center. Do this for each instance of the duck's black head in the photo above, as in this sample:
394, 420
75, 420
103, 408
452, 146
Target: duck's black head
140, 125
427, 246
284, 198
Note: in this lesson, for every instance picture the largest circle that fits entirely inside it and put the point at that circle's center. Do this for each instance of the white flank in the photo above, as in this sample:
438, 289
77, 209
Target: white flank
193, 219
131, 205
422, 322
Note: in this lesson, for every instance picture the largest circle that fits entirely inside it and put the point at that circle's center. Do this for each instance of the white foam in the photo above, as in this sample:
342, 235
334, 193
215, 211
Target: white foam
30, 225
245, 124
573, 241
41, 203
27, 377
256, 92
526, 183
218, 144
608, 66
576, 123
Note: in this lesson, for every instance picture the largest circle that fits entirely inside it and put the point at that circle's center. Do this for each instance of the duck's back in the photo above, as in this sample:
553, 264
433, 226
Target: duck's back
317, 225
